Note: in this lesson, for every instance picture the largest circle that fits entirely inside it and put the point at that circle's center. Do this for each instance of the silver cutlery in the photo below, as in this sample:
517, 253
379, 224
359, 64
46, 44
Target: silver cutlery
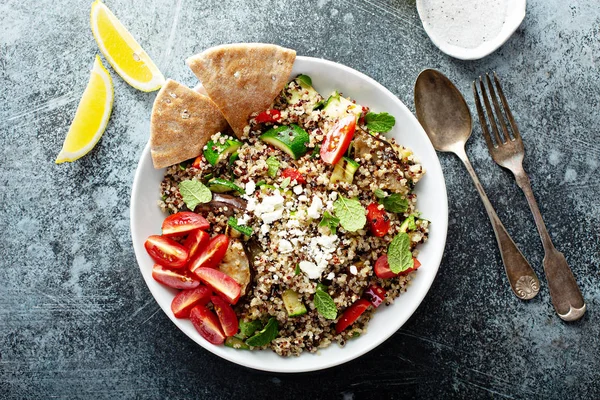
508, 152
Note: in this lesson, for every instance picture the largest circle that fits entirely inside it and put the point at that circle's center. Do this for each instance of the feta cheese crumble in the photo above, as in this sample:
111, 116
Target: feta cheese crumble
314, 211
311, 269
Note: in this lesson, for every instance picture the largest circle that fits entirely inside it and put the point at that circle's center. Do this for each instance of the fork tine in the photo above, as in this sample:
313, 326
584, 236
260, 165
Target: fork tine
499, 115
511, 120
484, 129
490, 114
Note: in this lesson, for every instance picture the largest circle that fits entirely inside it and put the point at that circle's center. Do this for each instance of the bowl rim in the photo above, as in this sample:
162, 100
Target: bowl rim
437, 252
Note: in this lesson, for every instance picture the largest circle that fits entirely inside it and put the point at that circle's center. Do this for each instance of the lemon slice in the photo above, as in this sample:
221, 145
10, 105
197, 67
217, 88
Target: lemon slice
91, 117
122, 51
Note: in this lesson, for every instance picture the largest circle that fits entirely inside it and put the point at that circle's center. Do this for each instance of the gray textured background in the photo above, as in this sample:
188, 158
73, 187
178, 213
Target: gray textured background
76, 319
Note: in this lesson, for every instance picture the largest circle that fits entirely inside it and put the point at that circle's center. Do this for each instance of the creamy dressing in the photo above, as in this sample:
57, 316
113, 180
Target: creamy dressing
464, 23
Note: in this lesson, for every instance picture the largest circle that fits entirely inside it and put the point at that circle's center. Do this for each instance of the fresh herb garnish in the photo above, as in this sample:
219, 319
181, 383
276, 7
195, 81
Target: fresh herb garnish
247, 328
325, 304
382, 122
399, 254
245, 229
264, 337
194, 193
330, 222
395, 203
273, 166
285, 183
316, 151
297, 271
304, 79
350, 213
380, 194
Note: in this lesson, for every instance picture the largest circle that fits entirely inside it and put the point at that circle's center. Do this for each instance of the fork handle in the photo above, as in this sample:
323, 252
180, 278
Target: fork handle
564, 292
522, 278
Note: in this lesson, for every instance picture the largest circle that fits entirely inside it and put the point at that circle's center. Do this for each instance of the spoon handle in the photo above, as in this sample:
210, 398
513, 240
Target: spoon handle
522, 278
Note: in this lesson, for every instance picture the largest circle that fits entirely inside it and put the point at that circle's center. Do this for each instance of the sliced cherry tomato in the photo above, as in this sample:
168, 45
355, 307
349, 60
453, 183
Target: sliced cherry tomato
212, 254
229, 321
375, 294
268, 116
221, 283
383, 271
378, 220
185, 300
207, 324
197, 161
351, 314
174, 279
338, 139
196, 242
166, 251
294, 175
183, 222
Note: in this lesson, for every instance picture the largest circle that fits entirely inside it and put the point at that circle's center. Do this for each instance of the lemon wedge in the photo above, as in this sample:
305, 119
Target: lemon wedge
122, 51
91, 116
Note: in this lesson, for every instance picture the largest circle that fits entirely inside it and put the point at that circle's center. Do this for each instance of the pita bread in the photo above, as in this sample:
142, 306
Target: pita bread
243, 78
182, 121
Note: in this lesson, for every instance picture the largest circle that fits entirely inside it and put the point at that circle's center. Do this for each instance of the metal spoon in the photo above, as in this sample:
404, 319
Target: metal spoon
445, 116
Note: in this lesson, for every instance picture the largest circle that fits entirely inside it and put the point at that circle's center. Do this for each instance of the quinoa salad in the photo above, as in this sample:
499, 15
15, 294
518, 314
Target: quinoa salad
302, 227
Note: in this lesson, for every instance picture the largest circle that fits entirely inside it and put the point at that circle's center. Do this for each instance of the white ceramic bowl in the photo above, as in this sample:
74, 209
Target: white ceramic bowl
146, 220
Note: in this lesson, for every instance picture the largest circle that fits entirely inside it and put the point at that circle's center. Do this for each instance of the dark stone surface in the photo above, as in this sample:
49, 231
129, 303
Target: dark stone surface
77, 320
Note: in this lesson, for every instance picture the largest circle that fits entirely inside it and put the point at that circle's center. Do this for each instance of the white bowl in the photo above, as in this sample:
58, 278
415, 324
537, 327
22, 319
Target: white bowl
515, 13
327, 76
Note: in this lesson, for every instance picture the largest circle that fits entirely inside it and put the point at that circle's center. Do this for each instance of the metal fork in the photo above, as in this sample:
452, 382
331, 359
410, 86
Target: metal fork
508, 152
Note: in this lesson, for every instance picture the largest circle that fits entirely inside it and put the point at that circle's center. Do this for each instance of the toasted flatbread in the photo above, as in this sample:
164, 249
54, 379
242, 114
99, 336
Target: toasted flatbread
182, 121
243, 78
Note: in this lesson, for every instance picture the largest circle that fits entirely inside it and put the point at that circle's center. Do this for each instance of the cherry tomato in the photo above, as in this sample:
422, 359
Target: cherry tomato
268, 116
185, 300
196, 242
174, 279
375, 294
383, 271
294, 175
212, 254
351, 314
197, 161
229, 321
221, 283
166, 251
182, 223
378, 220
207, 324
338, 139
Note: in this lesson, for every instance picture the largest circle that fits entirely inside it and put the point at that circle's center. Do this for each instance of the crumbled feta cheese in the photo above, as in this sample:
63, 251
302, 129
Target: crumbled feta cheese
264, 229
333, 196
298, 189
285, 246
243, 220
330, 276
329, 205
250, 187
269, 204
353, 270
314, 211
311, 269
302, 198
275, 277
270, 217
327, 241
251, 204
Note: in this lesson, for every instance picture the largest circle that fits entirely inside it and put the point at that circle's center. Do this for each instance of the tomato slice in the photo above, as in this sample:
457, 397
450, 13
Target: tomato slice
379, 222
212, 254
174, 279
166, 251
221, 283
185, 300
196, 242
207, 324
383, 271
294, 175
182, 223
197, 161
338, 139
375, 294
229, 321
268, 116
351, 314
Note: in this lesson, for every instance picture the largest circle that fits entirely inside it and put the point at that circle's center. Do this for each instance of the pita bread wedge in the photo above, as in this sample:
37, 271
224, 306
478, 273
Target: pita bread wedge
182, 121
243, 78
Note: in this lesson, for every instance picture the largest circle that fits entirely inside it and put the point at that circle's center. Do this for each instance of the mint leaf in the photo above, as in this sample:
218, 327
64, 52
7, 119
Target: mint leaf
285, 183
330, 222
194, 193
273, 166
395, 203
350, 213
304, 79
245, 229
247, 328
382, 122
324, 304
399, 254
297, 271
380, 194
266, 335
